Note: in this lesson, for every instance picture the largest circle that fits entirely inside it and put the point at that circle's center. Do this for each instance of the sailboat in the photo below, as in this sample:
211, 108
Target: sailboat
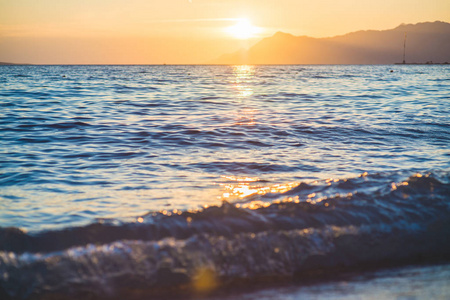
404, 52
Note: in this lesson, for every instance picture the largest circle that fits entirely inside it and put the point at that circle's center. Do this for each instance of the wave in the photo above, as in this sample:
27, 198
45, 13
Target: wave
315, 228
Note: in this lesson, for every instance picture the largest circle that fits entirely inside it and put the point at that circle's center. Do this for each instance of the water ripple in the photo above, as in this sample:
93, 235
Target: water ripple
125, 140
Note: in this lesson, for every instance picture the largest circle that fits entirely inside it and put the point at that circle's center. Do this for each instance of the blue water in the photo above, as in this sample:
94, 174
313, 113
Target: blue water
85, 142
115, 160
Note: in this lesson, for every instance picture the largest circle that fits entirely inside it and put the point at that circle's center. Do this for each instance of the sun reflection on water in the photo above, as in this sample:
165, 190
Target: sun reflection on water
242, 84
243, 77
246, 117
243, 72
242, 187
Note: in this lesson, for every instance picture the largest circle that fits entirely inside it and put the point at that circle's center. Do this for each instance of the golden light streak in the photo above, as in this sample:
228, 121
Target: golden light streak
242, 187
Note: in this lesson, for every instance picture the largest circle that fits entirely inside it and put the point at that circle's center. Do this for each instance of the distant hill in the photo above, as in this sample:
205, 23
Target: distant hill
9, 64
425, 42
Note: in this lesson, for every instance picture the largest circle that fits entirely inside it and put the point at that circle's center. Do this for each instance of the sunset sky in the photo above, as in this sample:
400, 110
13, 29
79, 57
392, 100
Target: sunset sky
183, 31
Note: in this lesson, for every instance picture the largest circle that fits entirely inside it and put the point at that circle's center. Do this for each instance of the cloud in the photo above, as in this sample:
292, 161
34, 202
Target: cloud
196, 20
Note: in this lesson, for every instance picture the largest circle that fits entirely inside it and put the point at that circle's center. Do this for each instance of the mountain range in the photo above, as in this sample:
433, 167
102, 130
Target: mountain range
425, 43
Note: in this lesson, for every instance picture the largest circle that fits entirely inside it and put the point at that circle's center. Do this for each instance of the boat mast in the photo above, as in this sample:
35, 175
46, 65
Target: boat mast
404, 49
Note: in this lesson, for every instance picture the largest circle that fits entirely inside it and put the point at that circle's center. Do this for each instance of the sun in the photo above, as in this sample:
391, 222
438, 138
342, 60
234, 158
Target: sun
243, 30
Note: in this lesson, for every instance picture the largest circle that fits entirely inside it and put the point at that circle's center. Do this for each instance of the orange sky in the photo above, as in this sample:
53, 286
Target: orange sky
182, 31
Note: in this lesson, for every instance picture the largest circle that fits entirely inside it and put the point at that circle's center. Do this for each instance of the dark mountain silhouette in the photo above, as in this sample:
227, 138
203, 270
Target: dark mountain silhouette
426, 42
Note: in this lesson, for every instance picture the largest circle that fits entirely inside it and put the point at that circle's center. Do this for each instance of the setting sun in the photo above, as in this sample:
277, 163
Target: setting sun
243, 30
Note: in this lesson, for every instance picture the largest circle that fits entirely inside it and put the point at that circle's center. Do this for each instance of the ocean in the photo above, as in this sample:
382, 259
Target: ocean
144, 182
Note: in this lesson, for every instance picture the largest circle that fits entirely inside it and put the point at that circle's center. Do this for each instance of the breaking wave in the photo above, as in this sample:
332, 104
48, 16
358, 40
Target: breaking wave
315, 228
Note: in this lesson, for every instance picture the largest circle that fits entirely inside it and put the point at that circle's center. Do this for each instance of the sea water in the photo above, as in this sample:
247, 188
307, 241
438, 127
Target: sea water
248, 172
